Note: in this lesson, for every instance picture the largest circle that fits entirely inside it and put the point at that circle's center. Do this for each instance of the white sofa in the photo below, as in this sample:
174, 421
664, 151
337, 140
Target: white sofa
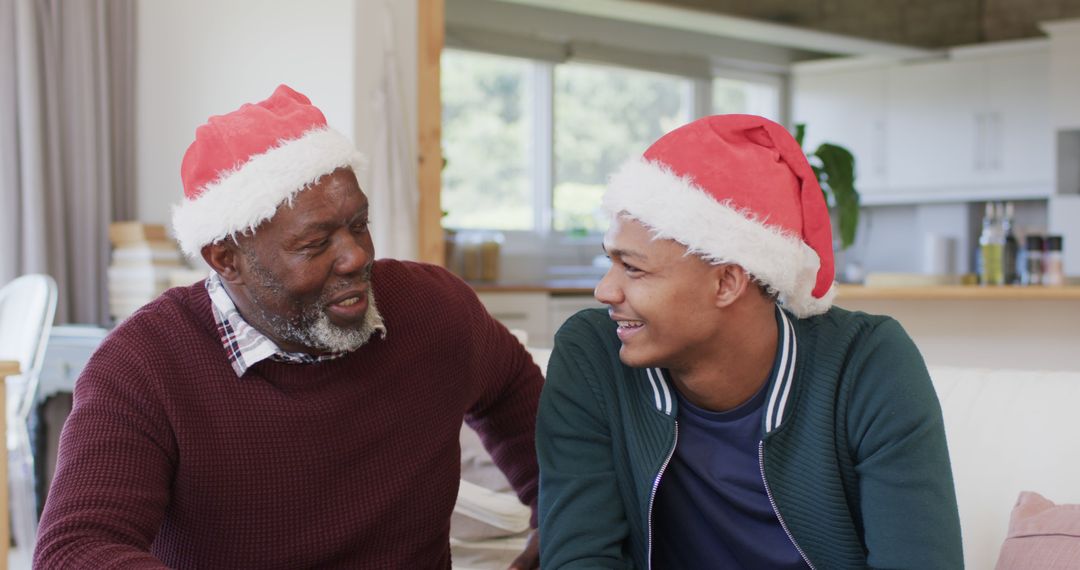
489, 526
1008, 431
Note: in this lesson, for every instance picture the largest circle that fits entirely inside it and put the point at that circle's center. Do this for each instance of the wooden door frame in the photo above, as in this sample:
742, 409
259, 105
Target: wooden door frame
431, 34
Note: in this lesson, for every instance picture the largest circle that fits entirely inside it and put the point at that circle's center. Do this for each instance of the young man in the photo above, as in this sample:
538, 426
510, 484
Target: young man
274, 416
720, 414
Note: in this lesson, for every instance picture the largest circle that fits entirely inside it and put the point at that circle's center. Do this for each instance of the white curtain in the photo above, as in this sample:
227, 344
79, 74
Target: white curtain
66, 143
394, 192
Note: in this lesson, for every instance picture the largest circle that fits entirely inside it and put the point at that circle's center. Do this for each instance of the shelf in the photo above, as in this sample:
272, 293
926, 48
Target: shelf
958, 292
987, 193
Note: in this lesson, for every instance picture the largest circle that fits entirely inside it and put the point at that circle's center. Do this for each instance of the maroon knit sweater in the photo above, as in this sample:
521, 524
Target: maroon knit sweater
169, 459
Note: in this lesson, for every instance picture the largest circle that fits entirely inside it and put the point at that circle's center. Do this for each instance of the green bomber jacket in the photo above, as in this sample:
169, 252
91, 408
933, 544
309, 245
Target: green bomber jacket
853, 456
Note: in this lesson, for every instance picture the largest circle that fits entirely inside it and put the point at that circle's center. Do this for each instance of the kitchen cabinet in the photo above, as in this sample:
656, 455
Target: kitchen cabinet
933, 142
1013, 137
526, 311
563, 307
847, 107
539, 313
1064, 79
972, 126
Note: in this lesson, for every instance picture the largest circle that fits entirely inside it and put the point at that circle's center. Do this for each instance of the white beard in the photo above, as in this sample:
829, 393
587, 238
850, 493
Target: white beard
321, 334
312, 327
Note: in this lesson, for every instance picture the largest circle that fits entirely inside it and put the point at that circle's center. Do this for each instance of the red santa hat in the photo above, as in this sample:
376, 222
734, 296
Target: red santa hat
245, 164
736, 189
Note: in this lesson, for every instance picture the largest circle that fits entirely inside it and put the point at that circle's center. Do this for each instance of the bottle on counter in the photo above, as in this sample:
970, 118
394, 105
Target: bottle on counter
992, 247
1010, 247
1053, 265
1033, 260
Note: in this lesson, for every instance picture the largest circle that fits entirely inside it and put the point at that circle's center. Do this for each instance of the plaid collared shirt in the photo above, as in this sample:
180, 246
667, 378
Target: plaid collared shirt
245, 345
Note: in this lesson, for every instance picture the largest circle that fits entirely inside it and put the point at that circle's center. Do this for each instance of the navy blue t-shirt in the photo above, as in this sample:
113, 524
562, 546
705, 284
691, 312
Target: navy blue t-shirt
711, 509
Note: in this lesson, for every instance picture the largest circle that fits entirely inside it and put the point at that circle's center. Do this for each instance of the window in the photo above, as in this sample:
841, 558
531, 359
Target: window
529, 145
487, 141
731, 95
603, 116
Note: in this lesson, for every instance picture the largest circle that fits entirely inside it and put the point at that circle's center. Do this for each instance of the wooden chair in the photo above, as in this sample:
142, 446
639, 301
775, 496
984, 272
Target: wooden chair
7, 368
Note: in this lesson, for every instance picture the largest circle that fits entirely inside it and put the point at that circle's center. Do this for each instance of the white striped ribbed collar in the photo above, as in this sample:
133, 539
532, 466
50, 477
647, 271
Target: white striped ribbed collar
781, 382
785, 374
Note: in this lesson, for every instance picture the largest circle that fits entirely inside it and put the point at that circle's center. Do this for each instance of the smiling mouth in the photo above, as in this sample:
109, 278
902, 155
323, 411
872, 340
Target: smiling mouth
348, 302
348, 296
629, 325
349, 306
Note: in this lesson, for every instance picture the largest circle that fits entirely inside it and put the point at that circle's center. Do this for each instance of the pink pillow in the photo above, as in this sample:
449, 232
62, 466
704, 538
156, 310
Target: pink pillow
1042, 536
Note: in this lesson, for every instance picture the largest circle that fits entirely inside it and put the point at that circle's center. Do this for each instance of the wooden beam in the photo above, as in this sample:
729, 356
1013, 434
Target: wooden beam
7, 368
431, 31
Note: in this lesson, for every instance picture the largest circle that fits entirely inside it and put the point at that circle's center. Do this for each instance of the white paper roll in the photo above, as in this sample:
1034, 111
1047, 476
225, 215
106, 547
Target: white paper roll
939, 254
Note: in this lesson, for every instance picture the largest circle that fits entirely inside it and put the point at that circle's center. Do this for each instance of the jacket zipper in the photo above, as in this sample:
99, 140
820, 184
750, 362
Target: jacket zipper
655, 486
768, 492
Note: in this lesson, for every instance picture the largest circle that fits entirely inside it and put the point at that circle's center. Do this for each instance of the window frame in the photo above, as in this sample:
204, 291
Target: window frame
697, 97
776, 80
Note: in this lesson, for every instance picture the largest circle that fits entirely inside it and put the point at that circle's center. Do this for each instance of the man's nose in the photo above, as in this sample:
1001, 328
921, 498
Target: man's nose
607, 290
352, 254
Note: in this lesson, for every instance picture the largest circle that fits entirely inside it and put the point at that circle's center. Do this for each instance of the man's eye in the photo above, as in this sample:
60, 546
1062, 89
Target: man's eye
361, 227
317, 244
631, 268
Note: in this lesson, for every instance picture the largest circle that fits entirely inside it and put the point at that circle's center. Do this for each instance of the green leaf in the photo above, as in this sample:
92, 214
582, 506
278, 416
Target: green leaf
834, 167
838, 167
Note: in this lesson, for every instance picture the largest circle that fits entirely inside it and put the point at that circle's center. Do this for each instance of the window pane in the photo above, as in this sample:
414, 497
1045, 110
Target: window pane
604, 116
486, 137
736, 96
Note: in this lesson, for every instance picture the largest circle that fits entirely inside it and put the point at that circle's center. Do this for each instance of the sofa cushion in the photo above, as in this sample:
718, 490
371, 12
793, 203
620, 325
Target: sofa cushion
478, 468
1042, 535
471, 533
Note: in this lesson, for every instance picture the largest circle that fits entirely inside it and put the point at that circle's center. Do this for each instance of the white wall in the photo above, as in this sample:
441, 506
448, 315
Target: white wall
198, 58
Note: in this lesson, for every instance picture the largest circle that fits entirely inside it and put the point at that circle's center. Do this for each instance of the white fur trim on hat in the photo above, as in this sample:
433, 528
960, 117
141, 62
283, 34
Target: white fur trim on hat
676, 208
241, 199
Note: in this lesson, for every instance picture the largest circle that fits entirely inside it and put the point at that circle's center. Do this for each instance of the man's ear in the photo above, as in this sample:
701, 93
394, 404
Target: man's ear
732, 282
225, 258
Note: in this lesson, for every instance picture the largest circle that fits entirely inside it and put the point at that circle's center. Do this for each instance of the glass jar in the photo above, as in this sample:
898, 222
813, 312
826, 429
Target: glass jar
490, 249
468, 245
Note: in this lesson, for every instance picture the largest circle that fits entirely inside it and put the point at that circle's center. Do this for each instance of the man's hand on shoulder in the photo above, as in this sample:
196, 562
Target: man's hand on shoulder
530, 557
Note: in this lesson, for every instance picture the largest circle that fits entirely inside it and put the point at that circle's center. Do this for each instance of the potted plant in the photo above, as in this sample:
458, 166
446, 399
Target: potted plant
834, 166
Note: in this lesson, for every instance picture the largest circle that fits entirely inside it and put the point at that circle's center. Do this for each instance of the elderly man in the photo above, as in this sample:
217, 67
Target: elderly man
700, 424
276, 416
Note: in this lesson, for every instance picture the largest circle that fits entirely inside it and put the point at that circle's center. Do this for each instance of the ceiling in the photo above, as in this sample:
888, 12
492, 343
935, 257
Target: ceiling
918, 23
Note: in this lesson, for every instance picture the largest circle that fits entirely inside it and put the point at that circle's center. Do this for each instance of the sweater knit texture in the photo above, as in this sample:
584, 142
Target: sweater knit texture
169, 460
